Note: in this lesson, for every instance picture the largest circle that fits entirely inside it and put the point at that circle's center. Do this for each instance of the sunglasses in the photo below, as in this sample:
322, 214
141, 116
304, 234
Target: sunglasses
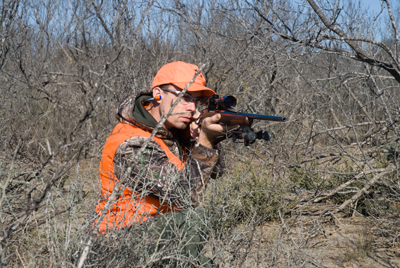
186, 98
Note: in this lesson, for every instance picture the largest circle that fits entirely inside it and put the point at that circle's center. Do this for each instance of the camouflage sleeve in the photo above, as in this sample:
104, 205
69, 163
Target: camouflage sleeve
204, 163
153, 174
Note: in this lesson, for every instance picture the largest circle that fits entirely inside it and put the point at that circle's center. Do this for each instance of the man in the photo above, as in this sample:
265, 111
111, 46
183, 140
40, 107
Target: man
168, 180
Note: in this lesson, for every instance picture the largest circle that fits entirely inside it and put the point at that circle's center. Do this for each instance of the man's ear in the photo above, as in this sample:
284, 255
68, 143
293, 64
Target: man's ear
156, 92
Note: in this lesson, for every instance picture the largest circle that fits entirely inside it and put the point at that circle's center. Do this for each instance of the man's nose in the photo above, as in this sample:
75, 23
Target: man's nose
191, 106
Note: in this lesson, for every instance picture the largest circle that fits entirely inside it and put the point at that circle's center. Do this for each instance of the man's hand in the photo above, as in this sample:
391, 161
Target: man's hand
210, 130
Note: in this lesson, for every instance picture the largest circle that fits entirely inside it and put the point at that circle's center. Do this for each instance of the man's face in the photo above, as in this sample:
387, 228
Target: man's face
182, 114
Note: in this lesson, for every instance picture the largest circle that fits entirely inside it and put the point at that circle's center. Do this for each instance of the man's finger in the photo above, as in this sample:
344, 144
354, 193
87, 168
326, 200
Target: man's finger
215, 118
196, 115
212, 120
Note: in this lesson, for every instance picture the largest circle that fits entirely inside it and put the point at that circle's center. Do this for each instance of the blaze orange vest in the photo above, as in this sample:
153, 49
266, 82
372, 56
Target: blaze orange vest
130, 207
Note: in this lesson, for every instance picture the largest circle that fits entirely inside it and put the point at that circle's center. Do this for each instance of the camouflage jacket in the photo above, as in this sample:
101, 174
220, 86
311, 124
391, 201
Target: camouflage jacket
153, 174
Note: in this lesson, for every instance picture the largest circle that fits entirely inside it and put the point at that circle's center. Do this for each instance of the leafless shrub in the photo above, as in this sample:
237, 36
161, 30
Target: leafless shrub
65, 65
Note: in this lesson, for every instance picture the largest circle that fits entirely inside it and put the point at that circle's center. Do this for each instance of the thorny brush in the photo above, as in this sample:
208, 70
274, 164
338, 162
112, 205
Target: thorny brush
65, 66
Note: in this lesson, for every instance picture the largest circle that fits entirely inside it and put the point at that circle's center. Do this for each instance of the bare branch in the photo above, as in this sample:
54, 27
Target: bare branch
359, 53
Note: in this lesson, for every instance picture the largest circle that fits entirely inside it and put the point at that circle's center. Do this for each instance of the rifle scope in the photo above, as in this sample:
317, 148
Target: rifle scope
224, 103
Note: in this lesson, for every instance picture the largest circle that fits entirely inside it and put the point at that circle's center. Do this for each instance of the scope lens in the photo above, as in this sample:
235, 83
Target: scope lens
227, 102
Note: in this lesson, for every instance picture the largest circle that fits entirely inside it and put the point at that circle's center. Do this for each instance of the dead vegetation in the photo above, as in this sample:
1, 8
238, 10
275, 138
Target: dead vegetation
325, 190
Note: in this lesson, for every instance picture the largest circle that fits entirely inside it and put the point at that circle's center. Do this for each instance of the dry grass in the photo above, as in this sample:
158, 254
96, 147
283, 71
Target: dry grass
324, 192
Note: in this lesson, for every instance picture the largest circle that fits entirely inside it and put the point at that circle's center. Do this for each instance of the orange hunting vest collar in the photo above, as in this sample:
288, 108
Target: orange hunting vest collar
130, 207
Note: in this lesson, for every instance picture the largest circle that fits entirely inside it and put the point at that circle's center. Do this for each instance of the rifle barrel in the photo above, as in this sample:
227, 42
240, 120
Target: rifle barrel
258, 116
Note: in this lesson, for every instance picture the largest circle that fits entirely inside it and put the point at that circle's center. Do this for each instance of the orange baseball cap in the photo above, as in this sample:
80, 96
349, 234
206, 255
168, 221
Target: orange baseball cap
180, 73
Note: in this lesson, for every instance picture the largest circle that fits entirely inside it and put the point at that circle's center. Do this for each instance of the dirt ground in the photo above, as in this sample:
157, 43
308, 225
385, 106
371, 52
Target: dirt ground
337, 241
356, 242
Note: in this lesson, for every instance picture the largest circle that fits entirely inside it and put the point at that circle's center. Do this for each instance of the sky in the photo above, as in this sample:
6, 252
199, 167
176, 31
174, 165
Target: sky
375, 4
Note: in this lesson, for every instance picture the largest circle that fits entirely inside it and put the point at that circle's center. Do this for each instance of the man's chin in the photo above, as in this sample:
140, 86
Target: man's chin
181, 125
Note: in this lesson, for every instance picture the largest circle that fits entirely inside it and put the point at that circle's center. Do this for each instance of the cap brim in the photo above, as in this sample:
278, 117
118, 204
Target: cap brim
195, 87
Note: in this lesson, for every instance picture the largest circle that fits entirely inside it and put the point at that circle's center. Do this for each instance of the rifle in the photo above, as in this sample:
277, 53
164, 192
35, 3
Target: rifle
225, 106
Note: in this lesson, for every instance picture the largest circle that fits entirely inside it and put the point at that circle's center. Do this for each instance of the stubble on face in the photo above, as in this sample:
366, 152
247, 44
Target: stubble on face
180, 118
182, 114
